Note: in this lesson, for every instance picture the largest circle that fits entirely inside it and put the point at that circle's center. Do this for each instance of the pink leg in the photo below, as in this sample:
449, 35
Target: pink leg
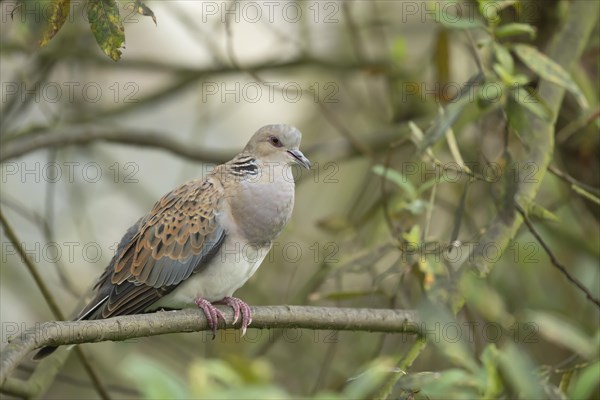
212, 314
239, 308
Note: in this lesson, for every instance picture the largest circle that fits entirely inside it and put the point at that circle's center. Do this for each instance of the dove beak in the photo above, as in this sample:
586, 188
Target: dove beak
299, 158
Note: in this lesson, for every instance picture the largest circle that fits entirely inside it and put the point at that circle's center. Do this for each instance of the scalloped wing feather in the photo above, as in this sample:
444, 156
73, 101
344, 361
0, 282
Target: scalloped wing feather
180, 230
177, 238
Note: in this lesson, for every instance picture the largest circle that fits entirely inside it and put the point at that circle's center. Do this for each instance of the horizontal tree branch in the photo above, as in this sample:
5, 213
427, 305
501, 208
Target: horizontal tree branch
22, 145
193, 320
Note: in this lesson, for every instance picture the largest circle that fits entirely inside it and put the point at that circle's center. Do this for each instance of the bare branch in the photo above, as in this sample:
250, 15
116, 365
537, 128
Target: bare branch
26, 144
192, 320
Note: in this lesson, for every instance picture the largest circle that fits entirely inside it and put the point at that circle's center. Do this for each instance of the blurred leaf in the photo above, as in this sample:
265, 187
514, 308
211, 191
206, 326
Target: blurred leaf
152, 379
549, 70
413, 237
253, 371
234, 379
144, 10
587, 381
334, 224
490, 8
490, 358
531, 101
504, 57
514, 29
398, 178
520, 372
536, 211
446, 334
350, 295
399, 49
60, 12
552, 391
508, 78
451, 383
564, 333
363, 385
107, 26
484, 298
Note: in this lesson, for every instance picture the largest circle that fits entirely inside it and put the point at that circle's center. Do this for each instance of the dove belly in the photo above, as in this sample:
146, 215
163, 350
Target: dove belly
227, 271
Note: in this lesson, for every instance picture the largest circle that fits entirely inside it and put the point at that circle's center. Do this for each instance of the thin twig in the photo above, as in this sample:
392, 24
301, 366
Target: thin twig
52, 304
574, 182
39, 281
553, 258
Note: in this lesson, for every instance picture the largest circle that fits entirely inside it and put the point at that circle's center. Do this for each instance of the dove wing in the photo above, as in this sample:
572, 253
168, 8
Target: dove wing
176, 239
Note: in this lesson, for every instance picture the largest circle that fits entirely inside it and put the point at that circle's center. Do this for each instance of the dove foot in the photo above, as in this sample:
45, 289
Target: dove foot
239, 308
212, 314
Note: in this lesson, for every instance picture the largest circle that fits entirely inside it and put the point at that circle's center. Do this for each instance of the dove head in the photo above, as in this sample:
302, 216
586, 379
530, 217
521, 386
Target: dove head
277, 144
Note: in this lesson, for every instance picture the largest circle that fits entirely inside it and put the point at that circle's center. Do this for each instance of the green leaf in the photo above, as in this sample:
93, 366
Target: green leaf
504, 58
398, 178
413, 237
530, 100
490, 8
60, 11
489, 358
515, 29
520, 372
564, 333
549, 70
586, 382
152, 379
107, 27
508, 78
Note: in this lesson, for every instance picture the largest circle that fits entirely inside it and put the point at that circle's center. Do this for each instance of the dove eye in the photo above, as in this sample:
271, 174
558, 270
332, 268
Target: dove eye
275, 141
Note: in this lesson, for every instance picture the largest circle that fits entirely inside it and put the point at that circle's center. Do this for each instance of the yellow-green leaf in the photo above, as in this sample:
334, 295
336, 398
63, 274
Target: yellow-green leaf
56, 19
549, 70
515, 29
107, 27
586, 383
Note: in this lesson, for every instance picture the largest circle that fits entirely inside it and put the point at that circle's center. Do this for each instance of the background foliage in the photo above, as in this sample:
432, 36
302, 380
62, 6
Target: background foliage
432, 137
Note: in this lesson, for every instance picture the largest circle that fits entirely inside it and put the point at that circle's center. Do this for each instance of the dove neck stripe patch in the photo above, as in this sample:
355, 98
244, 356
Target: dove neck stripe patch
245, 167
